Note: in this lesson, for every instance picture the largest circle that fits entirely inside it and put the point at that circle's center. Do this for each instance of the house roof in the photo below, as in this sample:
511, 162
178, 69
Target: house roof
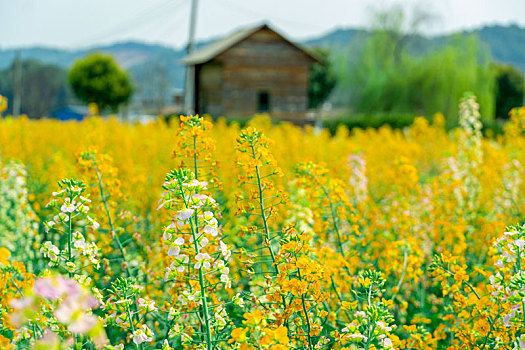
214, 49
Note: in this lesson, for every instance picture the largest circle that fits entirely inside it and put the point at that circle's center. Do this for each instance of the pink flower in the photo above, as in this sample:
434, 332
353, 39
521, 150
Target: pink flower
147, 304
18, 317
54, 288
68, 207
48, 341
83, 324
71, 307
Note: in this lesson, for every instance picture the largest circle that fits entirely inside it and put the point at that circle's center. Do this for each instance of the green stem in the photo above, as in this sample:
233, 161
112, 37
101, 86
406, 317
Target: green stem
195, 217
309, 327
370, 333
307, 322
69, 245
334, 287
519, 271
402, 274
201, 277
465, 282
334, 220
110, 220
263, 212
115, 236
195, 166
333, 214
131, 324
34, 332
169, 328
205, 310
265, 222
492, 321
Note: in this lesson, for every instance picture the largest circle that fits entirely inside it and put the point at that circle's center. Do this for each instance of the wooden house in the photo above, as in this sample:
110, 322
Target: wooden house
253, 70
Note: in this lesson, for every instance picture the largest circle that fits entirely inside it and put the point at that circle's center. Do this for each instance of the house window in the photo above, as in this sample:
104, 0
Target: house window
263, 102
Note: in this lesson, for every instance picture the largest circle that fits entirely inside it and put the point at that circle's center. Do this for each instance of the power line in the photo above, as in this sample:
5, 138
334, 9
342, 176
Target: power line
143, 17
118, 27
169, 17
241, 9
175, 24
189, 93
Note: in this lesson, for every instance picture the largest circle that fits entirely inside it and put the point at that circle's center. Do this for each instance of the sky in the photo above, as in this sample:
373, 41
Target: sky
76, 24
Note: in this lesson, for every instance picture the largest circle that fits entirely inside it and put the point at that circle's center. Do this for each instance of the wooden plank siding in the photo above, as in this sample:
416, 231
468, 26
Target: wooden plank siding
231, 83
208, 98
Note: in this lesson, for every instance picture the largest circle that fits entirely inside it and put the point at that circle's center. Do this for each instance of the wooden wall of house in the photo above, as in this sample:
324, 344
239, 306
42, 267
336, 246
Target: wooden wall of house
209, 86
262, 63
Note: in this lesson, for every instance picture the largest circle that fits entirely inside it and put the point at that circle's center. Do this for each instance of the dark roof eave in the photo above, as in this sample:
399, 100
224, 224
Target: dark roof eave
201, 56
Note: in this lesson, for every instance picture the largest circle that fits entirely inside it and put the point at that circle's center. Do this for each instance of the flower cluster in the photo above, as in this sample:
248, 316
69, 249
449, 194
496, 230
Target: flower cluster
67, 307
470, 153
72, 209
301, 281
18, 221
195, 149
197, 255
508, 283
370, 239
333, 211
255, 330
14, 279
103, 181
127, 311
358, 180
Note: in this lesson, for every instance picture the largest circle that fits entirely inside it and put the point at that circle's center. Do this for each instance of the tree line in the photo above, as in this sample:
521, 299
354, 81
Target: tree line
392, 74
384, 77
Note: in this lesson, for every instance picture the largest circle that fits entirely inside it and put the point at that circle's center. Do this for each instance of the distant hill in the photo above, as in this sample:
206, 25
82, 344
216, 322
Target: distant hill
507, 44
336, 38
134, 56
128, 54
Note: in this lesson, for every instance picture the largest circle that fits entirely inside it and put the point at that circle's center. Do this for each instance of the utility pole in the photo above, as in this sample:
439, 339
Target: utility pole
189, 93
17, 84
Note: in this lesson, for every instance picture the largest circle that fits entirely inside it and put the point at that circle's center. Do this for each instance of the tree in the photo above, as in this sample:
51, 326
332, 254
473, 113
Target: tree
401, 25
421, 85
322, 80
152, 81
43, 87
388, 75
509, 90
98, 79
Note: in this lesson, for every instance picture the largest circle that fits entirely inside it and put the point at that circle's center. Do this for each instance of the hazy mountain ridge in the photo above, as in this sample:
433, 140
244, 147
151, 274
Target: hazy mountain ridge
340, 37
123, 52
507, 44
